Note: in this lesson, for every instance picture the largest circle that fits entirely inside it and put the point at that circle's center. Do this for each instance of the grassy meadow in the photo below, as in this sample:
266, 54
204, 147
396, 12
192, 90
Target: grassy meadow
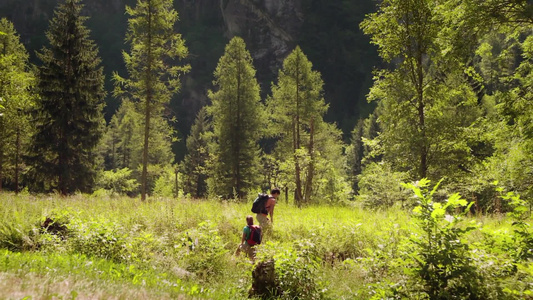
122, 248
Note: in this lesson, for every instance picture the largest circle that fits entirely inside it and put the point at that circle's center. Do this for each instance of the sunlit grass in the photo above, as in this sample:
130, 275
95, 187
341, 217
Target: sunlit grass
155, 249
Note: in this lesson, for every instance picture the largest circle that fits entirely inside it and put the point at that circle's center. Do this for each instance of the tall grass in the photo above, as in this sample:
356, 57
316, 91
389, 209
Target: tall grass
185, 248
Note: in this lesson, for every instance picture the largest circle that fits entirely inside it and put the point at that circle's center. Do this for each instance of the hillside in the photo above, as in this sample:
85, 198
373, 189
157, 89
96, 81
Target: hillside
327, 31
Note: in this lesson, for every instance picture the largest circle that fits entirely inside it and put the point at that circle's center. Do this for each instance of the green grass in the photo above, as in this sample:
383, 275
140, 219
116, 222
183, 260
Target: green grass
122, 248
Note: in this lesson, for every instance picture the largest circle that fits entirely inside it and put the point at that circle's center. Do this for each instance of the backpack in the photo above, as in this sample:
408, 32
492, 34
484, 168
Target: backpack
258, 207
255, 235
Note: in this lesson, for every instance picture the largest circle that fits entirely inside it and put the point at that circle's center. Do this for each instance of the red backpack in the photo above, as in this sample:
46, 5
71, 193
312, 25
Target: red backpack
255, 235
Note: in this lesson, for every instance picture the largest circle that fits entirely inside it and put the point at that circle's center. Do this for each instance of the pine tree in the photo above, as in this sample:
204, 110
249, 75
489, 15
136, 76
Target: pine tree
152, 66
297, 107
354, 154
195, 162
122, 145
69, 120
122, 142
15, 83
238, 118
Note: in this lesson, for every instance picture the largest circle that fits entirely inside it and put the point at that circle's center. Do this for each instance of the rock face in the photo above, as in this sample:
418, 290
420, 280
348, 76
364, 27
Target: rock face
270, 28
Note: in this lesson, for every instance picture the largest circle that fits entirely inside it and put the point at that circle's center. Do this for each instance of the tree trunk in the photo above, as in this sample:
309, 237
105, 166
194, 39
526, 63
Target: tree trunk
311, 167
1, 156
149, 96
296, 134
17, 151
62, 166
238, 129
423, 150
421, 114
1, 169
176, 183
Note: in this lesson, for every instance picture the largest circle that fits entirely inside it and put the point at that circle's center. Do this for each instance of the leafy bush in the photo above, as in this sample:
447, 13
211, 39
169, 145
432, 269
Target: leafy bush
380, 186
165, 184
438, 258
523, 231
18, 237
119, 181
203, 250
98, 237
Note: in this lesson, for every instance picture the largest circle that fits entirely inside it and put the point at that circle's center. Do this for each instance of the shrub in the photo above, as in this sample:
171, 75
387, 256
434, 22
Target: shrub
98, 237
117, 181
18, 237
438, 259
203, 250
380, 186
165, 184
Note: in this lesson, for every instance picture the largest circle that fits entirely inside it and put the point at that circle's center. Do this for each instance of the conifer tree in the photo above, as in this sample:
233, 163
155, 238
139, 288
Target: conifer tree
354, 153
195, 162
68, 116
297, 107
154, 73
122, 145
238, 116
15, 83
122, 142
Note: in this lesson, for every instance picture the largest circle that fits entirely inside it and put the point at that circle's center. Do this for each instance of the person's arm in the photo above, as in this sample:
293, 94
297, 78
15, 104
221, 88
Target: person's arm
271, 209
243, 238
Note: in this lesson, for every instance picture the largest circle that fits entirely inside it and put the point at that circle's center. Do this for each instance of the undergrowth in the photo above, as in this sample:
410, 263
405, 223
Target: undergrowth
185, 249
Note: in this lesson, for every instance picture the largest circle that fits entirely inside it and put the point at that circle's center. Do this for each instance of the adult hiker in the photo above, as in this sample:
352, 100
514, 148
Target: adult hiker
270, 203
251, 236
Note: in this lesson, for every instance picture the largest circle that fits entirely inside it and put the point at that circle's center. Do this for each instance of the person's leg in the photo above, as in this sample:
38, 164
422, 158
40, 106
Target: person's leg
248, 250
264, 222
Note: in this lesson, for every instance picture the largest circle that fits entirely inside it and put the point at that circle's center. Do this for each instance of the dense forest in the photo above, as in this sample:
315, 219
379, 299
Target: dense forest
271, 30
106, 109
135, 134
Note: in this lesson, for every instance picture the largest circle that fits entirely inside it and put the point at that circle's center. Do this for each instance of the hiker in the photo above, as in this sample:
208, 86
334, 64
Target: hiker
262, 217
251, 236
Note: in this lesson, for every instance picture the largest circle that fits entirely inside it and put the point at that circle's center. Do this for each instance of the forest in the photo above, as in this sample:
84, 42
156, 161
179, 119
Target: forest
110, 189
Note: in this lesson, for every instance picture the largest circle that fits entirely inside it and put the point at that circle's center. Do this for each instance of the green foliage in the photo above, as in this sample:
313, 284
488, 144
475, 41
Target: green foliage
165, 184
425, 103
359, 151
296, 268
68, 116
16, 81
152, 64
203, 250
238, 120
523, 231
99, 237
17, 237
117, 181
380, 186
121, 146
185, 246
439, 255
107, 277
296, 110
506, 68
195, 169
